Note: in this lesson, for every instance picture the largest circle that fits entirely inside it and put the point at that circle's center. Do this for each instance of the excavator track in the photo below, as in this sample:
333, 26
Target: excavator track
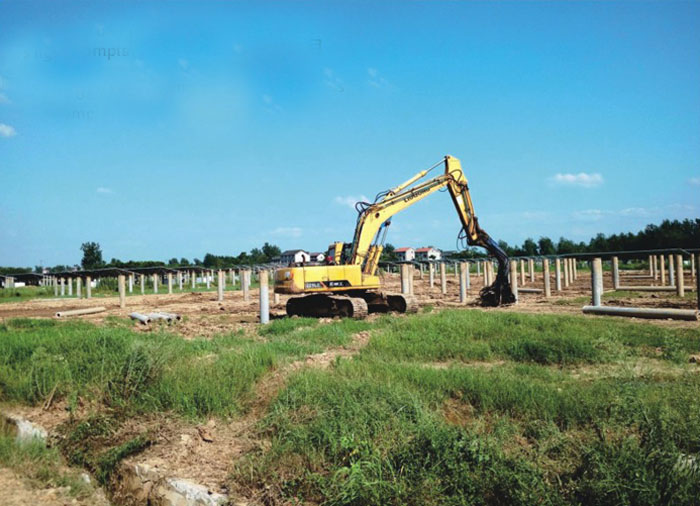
402, 303
381, 302
327, 306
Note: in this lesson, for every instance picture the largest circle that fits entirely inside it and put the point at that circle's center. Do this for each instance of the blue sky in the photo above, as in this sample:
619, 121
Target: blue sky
179, 128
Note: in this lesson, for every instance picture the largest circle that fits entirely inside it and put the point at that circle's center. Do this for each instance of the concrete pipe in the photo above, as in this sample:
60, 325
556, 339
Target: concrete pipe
639, 312
174, 316
161, 316
78, 312
140, 317
647, 288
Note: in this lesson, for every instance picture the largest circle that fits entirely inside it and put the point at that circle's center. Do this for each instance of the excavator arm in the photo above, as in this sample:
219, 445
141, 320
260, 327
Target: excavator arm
374, 218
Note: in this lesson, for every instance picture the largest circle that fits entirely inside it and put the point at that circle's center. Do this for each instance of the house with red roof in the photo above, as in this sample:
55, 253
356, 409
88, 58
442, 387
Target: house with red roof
405, 254
428, 253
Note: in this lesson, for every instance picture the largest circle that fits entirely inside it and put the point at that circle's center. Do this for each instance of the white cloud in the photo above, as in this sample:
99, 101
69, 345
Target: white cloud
654, 212
4, 99
332, 81
639, 212
694, 181
7, 130
582, 179
293, 232
350, 200
376, 80
102, 189
590, 214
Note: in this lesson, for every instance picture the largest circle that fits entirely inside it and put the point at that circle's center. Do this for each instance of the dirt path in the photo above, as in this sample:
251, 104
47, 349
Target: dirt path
205, 454
269, 387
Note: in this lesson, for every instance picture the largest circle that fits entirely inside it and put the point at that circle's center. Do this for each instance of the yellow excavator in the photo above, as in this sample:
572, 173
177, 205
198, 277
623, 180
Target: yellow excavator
346, 284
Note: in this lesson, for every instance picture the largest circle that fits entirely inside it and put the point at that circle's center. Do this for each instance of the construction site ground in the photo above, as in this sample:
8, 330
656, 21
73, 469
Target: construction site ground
204, 316
208, 451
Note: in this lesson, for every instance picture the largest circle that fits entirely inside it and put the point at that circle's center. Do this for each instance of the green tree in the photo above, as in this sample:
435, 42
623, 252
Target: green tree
271, 251
173, 262
545, 246
388, 253
599, 243
211, 261
565, 246
505, 247
92, 255
529, 247
184, 262
257, 256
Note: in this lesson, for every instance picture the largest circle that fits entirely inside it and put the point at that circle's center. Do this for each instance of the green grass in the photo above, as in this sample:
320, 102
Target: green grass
411, 421
546, 339
24, 293
124, 369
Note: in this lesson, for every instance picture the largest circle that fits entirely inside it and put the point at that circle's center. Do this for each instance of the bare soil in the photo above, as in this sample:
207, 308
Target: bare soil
16, 490
204, 316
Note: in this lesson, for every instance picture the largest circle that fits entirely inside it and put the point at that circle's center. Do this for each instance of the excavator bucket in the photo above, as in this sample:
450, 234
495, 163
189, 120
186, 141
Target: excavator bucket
500, 292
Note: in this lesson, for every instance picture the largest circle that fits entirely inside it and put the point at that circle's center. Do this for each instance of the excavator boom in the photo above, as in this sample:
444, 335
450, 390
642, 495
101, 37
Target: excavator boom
373, 217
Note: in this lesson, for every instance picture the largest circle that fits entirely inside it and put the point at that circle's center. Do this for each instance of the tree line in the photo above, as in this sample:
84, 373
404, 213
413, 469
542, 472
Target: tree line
668, 234
93, 259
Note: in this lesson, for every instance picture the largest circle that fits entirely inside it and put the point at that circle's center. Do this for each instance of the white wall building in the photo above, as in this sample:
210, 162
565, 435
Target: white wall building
294, 256
317, 257
405, 254
428, 253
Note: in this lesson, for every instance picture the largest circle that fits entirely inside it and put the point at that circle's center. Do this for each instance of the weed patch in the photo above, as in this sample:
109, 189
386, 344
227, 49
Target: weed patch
389, 428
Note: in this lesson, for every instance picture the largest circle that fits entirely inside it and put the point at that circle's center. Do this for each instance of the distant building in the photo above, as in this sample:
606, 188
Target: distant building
317, 257
295, 256
428, 253
28, 279
405, 254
